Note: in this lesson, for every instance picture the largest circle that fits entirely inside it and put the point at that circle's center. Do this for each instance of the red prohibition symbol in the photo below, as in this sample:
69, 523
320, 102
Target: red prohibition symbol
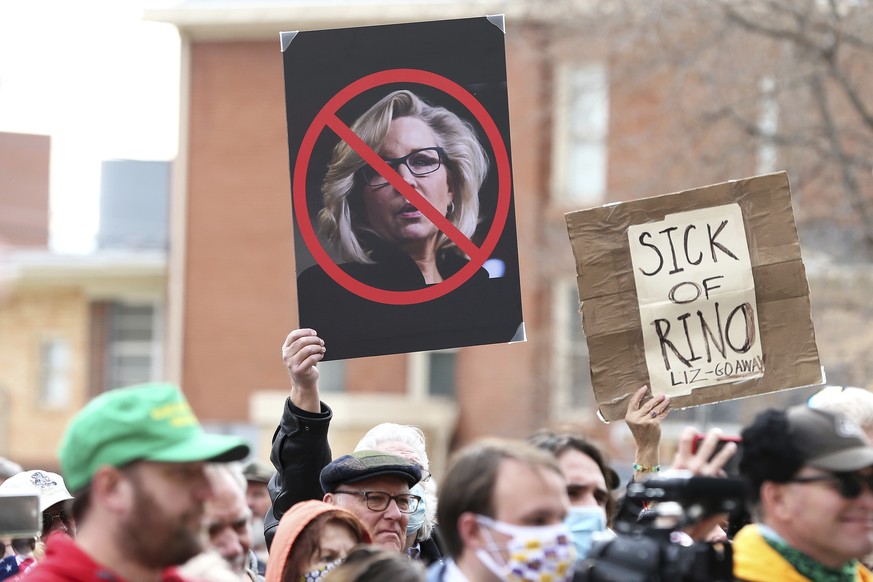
327, 118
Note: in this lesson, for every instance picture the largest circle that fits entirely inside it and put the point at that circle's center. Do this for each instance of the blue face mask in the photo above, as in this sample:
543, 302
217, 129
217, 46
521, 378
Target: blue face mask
583, 523
416, 520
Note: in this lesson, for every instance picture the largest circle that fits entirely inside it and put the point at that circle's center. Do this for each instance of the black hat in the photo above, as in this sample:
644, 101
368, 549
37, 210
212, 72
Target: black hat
362, 465
828, 441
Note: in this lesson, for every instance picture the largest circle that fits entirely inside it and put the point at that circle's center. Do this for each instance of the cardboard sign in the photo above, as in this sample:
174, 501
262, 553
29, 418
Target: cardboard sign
404, 229
701, 294
697, 302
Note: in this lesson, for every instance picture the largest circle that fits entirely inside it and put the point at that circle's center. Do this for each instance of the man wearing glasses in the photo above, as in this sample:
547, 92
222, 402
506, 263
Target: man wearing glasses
53, 498
375, 487
18, 553
810, 476
301, 450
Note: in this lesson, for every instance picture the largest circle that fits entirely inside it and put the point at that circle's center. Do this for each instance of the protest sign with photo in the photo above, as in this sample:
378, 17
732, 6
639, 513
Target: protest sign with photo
402, 186
700, 294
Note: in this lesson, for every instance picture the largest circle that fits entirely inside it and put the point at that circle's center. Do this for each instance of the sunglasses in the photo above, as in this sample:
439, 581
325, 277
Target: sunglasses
849, 485
48, 519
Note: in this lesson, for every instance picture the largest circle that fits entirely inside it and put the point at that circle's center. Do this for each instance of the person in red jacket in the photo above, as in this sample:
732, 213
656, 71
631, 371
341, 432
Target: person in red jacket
134, 460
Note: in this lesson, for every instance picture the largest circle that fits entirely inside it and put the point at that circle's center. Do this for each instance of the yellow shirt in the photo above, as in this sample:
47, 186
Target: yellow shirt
756, 561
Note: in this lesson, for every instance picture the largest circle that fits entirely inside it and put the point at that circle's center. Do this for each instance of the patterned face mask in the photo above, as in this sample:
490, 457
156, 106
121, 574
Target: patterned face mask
320, 573
533, 554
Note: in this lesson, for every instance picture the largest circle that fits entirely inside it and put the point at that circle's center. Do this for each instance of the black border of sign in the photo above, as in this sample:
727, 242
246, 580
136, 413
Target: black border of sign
318, 65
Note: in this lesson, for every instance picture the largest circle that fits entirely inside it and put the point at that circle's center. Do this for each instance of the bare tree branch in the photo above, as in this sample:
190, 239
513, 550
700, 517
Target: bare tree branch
850, 183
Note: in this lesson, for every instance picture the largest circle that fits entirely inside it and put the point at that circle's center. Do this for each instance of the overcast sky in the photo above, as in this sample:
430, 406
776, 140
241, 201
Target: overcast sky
98, 80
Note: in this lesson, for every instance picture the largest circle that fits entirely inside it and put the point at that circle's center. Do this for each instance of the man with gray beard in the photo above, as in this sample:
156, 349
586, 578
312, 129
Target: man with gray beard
228, 520
257, 476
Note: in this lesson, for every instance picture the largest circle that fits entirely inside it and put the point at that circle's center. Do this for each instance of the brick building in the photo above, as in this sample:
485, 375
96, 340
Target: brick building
69, 327
232, 294
587, 128
598, 114
72, 326
24, 190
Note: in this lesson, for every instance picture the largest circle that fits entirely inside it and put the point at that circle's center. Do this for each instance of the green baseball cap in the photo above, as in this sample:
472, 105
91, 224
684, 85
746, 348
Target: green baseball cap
148, 422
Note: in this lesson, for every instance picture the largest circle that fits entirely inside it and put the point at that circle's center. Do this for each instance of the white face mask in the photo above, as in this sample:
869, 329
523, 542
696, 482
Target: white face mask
533, 554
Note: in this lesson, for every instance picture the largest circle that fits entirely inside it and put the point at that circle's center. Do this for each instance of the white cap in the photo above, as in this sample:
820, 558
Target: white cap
49, 486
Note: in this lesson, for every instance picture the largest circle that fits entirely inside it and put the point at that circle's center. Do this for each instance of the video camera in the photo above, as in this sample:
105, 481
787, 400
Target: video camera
655, 547
20, 516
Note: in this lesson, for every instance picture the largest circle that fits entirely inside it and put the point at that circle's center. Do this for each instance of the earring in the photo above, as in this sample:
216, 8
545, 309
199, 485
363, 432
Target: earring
451, 207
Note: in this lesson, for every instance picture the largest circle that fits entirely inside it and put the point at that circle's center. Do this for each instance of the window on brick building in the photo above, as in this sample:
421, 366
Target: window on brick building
572, 377
441, 373
433, 373
332, 376
126, 344
581, 126
54, 372
134, 344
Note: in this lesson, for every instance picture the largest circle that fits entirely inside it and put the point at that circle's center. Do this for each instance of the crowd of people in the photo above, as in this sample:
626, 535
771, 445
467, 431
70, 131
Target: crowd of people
144, 494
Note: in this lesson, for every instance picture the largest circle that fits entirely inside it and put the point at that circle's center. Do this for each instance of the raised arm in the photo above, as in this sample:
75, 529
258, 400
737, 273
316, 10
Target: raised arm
300, 449
302, 350
706, 462
643, 418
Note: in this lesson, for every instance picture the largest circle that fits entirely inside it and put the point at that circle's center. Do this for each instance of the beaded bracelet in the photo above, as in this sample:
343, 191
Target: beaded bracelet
646, 469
